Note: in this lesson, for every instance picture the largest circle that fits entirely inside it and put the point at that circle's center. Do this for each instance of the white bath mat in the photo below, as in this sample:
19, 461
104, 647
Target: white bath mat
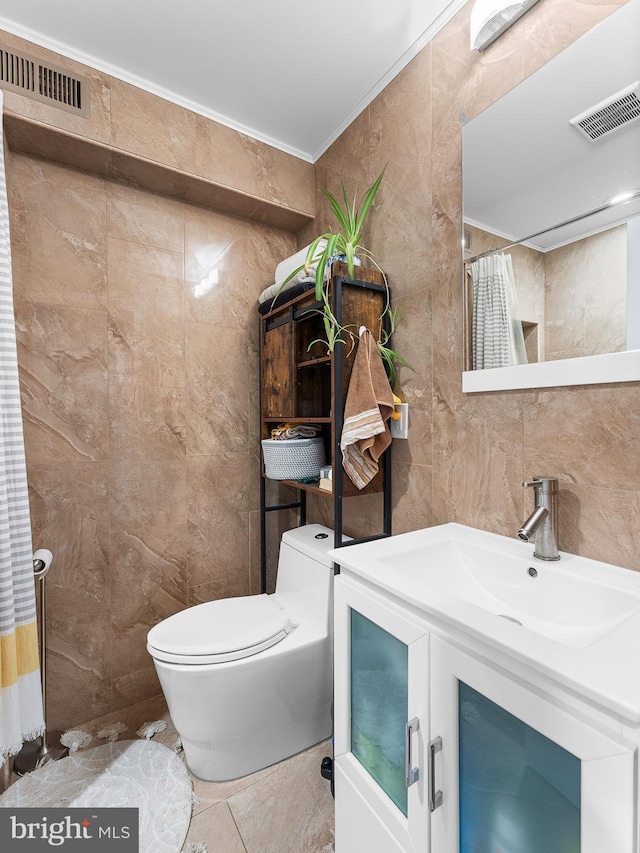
135, 774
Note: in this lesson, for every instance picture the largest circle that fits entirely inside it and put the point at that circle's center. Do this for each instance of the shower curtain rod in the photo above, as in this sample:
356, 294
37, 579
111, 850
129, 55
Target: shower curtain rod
540, 233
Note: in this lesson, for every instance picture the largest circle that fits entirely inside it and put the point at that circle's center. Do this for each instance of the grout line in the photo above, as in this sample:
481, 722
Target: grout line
235, 823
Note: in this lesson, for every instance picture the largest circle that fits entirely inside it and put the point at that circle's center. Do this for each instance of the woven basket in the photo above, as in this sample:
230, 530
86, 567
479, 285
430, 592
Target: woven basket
295, 459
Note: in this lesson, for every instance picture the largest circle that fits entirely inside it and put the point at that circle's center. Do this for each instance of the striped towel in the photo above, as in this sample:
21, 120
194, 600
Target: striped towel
368, 407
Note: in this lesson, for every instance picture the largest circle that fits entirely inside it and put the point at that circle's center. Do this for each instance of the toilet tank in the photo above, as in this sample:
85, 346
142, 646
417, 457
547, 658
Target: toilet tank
305, 570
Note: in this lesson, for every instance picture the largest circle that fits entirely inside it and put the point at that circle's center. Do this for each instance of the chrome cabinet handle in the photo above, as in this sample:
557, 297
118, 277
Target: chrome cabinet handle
412, 774
435, 797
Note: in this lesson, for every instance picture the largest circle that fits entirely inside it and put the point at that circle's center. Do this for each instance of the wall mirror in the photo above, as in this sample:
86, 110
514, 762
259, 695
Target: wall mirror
552, 248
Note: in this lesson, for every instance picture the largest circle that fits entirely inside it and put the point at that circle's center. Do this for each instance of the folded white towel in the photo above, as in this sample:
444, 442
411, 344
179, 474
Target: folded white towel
272, 291
286, 267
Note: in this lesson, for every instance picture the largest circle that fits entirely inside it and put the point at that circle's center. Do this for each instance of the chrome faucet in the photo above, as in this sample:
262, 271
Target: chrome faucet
543, 521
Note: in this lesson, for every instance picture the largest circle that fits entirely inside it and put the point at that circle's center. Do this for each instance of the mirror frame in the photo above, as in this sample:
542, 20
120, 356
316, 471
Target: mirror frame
587, 370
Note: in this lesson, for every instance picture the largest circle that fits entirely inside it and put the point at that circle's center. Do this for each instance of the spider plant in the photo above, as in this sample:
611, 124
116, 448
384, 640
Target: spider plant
345, 243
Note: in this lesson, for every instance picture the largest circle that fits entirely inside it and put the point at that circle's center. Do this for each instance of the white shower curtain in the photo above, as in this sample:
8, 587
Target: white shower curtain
496, 335
21, 715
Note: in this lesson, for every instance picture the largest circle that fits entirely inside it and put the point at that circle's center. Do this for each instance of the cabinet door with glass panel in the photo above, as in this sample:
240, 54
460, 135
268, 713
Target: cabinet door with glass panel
381, 724
437, 749
518, 771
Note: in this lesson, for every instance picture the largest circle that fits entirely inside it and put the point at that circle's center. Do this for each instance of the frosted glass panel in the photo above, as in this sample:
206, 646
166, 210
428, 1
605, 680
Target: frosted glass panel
519, 791
379, 676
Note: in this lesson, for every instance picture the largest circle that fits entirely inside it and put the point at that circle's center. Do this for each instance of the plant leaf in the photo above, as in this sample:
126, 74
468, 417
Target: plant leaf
369, 199
312, 251
390, 357
350, 208
287, 280
338, 212
322, 263
397, 357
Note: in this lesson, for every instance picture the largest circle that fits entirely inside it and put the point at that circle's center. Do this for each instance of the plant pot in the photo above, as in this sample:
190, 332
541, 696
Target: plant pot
356, 260
343, 258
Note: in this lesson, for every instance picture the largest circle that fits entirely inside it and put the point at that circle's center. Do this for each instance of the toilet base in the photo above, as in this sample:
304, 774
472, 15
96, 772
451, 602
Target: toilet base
213, 766
240, 717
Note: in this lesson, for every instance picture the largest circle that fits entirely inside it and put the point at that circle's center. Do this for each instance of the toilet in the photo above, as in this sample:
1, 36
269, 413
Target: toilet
248, 680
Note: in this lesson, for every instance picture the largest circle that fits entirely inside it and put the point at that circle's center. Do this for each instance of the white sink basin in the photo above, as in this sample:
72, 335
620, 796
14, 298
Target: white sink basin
574, 601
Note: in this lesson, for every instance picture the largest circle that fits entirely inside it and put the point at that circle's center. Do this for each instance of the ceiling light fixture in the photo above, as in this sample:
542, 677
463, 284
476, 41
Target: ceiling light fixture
490, 18
622, 197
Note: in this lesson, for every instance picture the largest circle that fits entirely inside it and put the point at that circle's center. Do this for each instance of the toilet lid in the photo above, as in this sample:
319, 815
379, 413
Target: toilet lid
219, 631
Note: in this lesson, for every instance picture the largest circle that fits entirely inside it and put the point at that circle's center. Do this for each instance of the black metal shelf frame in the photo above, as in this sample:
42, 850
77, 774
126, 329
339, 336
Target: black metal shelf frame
337, 283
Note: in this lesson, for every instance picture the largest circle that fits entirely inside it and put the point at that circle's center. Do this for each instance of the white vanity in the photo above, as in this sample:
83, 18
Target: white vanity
485, 701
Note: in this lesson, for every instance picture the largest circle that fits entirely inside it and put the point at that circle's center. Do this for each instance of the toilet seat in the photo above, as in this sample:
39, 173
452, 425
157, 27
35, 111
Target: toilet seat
219, 631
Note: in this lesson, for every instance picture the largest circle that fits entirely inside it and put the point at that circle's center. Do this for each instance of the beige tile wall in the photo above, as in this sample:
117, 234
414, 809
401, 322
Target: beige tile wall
585, 316
136, 397
467, 455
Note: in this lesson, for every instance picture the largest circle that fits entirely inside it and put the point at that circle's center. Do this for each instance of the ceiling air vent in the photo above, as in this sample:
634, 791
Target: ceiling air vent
610, 115
44, 82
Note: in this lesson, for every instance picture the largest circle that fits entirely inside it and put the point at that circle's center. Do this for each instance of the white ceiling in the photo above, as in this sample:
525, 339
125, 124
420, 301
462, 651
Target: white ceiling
288, 72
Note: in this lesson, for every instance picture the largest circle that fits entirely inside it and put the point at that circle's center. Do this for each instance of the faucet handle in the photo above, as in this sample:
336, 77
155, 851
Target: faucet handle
548, 485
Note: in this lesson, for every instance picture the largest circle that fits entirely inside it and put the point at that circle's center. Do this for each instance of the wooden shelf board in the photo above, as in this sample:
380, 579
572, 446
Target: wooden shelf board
325, 359
307, 487
285, 419
294, 484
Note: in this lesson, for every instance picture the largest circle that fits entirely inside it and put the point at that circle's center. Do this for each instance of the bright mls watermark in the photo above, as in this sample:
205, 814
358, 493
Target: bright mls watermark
70, 830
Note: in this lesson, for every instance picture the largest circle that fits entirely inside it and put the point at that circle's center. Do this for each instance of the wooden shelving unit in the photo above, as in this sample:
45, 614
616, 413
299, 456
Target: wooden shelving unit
300, 383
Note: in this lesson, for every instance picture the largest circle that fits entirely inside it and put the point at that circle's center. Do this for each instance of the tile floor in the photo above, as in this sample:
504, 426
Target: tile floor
286, 808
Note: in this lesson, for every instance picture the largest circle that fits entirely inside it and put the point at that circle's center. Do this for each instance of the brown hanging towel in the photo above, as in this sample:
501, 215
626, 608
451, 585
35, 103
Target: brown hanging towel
368, 407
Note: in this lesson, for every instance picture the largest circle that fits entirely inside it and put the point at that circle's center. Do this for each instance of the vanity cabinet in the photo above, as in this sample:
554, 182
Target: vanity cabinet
440, 748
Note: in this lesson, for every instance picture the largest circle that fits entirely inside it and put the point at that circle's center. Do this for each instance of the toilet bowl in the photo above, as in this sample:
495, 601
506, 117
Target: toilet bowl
248, 680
